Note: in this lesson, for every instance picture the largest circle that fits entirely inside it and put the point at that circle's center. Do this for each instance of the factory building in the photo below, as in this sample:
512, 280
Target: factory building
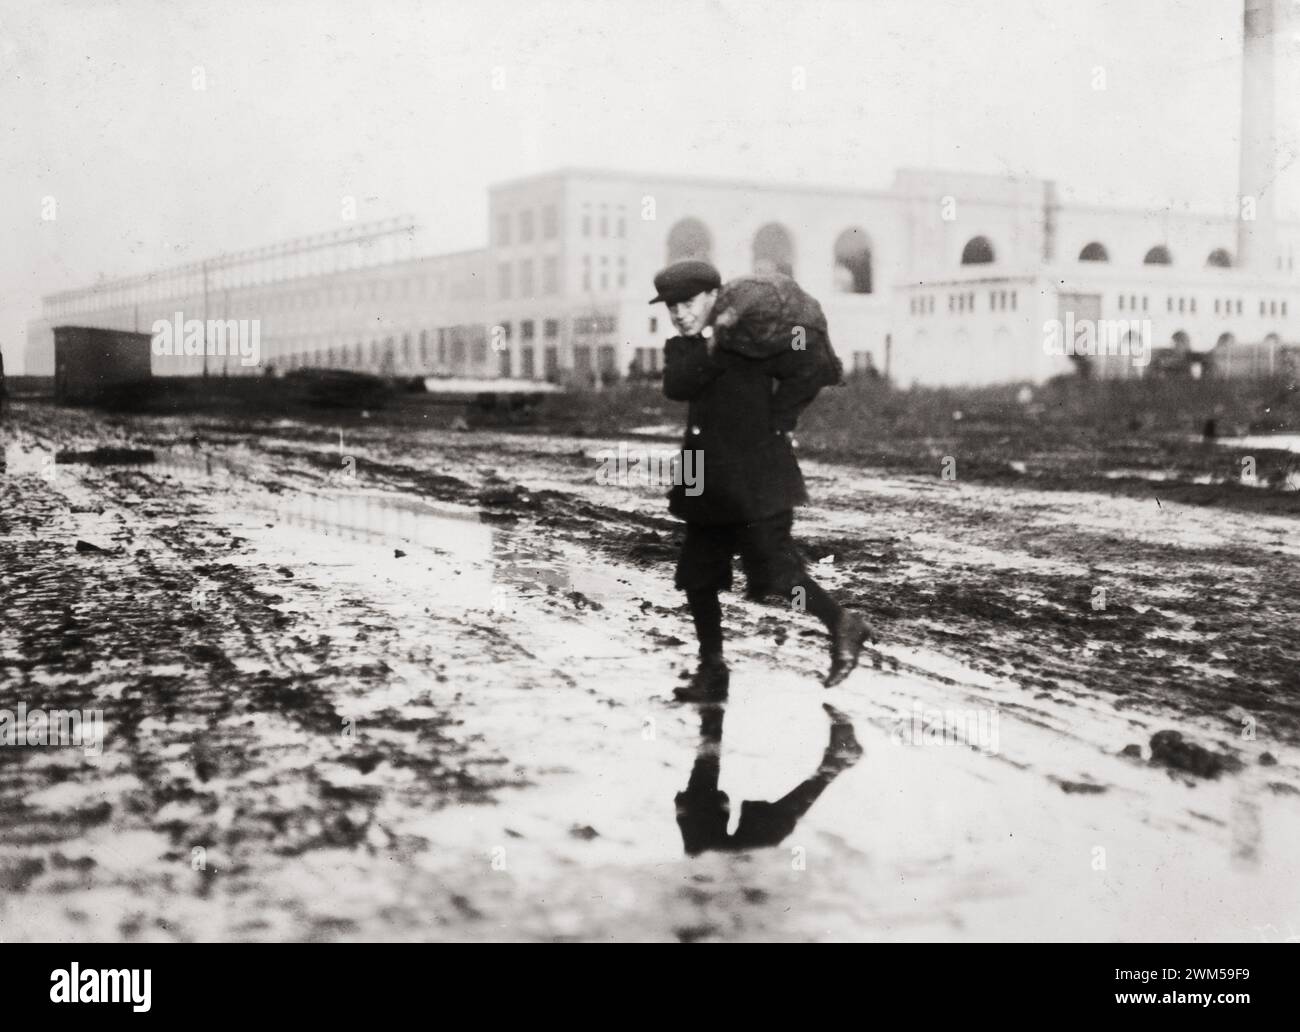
942, 278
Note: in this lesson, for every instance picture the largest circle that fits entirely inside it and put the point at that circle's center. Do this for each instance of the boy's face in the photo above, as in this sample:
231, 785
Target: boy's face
690, 317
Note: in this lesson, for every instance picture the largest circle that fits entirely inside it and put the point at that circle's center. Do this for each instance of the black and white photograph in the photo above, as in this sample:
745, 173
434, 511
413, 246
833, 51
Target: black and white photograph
596, 472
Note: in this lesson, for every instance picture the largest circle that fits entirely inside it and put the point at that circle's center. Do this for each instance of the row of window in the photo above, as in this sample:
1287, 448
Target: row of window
1219, 258
527, 285
521, 226
582, 326
375, 290
773, 251
602, 221
999, 301
604, 281
264, 300
525, 222
1222, 306
449, 346
528, 328
588, 363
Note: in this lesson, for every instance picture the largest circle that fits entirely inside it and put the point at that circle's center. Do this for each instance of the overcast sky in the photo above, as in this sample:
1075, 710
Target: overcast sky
393, 102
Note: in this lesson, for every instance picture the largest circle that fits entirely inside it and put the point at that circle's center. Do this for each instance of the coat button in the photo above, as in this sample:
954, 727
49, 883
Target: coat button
695, 429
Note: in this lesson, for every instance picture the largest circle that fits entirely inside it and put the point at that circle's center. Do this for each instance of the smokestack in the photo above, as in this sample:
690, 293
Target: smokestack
1257, 235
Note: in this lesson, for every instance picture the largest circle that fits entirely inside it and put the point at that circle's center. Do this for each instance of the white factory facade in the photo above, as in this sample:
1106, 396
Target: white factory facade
943, 278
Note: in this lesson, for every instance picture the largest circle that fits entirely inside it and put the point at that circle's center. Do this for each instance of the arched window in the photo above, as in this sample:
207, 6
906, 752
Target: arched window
1094, 252
773, 250
853, 262
1219, 259
689, 238
1158, 255
1226, 340
1181, 341
978, 251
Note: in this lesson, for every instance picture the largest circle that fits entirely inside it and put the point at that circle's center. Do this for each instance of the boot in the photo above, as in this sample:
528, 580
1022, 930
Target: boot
843, 750
709, 683
850, 634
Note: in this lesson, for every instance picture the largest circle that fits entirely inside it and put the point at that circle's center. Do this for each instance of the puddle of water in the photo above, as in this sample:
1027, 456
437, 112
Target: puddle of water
1285, 442
27, 459
1157, 475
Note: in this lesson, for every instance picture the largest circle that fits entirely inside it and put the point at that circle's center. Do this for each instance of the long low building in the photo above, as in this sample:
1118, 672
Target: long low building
945, 278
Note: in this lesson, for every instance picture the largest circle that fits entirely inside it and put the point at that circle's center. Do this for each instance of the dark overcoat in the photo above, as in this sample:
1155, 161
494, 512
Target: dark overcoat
738, 417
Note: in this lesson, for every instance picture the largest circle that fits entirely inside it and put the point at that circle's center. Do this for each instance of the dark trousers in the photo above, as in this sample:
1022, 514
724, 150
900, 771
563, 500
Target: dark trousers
773, 565
773, 569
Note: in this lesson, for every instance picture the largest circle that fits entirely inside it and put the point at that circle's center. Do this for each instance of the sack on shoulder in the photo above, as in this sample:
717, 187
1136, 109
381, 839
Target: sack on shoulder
771, 317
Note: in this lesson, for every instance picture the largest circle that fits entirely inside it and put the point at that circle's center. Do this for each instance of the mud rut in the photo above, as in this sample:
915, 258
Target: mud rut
301, 745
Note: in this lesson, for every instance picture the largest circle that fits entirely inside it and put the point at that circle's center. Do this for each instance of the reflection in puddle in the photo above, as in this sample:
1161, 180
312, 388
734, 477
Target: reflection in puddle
703, 810
381, 520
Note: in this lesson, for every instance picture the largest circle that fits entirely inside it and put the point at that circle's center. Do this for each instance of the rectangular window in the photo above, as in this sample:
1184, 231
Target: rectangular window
480, 352
551, 328
1145, 306
586, 272
550, 274
442, 346
503, 228
586, 223
1216, 306
552, 370
526, 329
622, 272
654, 324
1121, 302
550, 222
505, 279
526, 227
604, 222
526, 363
1013, 300
503, 362
526, 278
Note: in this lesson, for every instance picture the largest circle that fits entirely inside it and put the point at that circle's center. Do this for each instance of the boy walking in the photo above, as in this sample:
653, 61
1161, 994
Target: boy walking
740, 421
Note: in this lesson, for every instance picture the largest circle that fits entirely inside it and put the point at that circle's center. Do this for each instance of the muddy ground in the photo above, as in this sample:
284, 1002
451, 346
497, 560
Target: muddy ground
384, 682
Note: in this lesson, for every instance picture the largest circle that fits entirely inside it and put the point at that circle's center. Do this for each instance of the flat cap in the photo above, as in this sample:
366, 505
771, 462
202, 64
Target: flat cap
682, 280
